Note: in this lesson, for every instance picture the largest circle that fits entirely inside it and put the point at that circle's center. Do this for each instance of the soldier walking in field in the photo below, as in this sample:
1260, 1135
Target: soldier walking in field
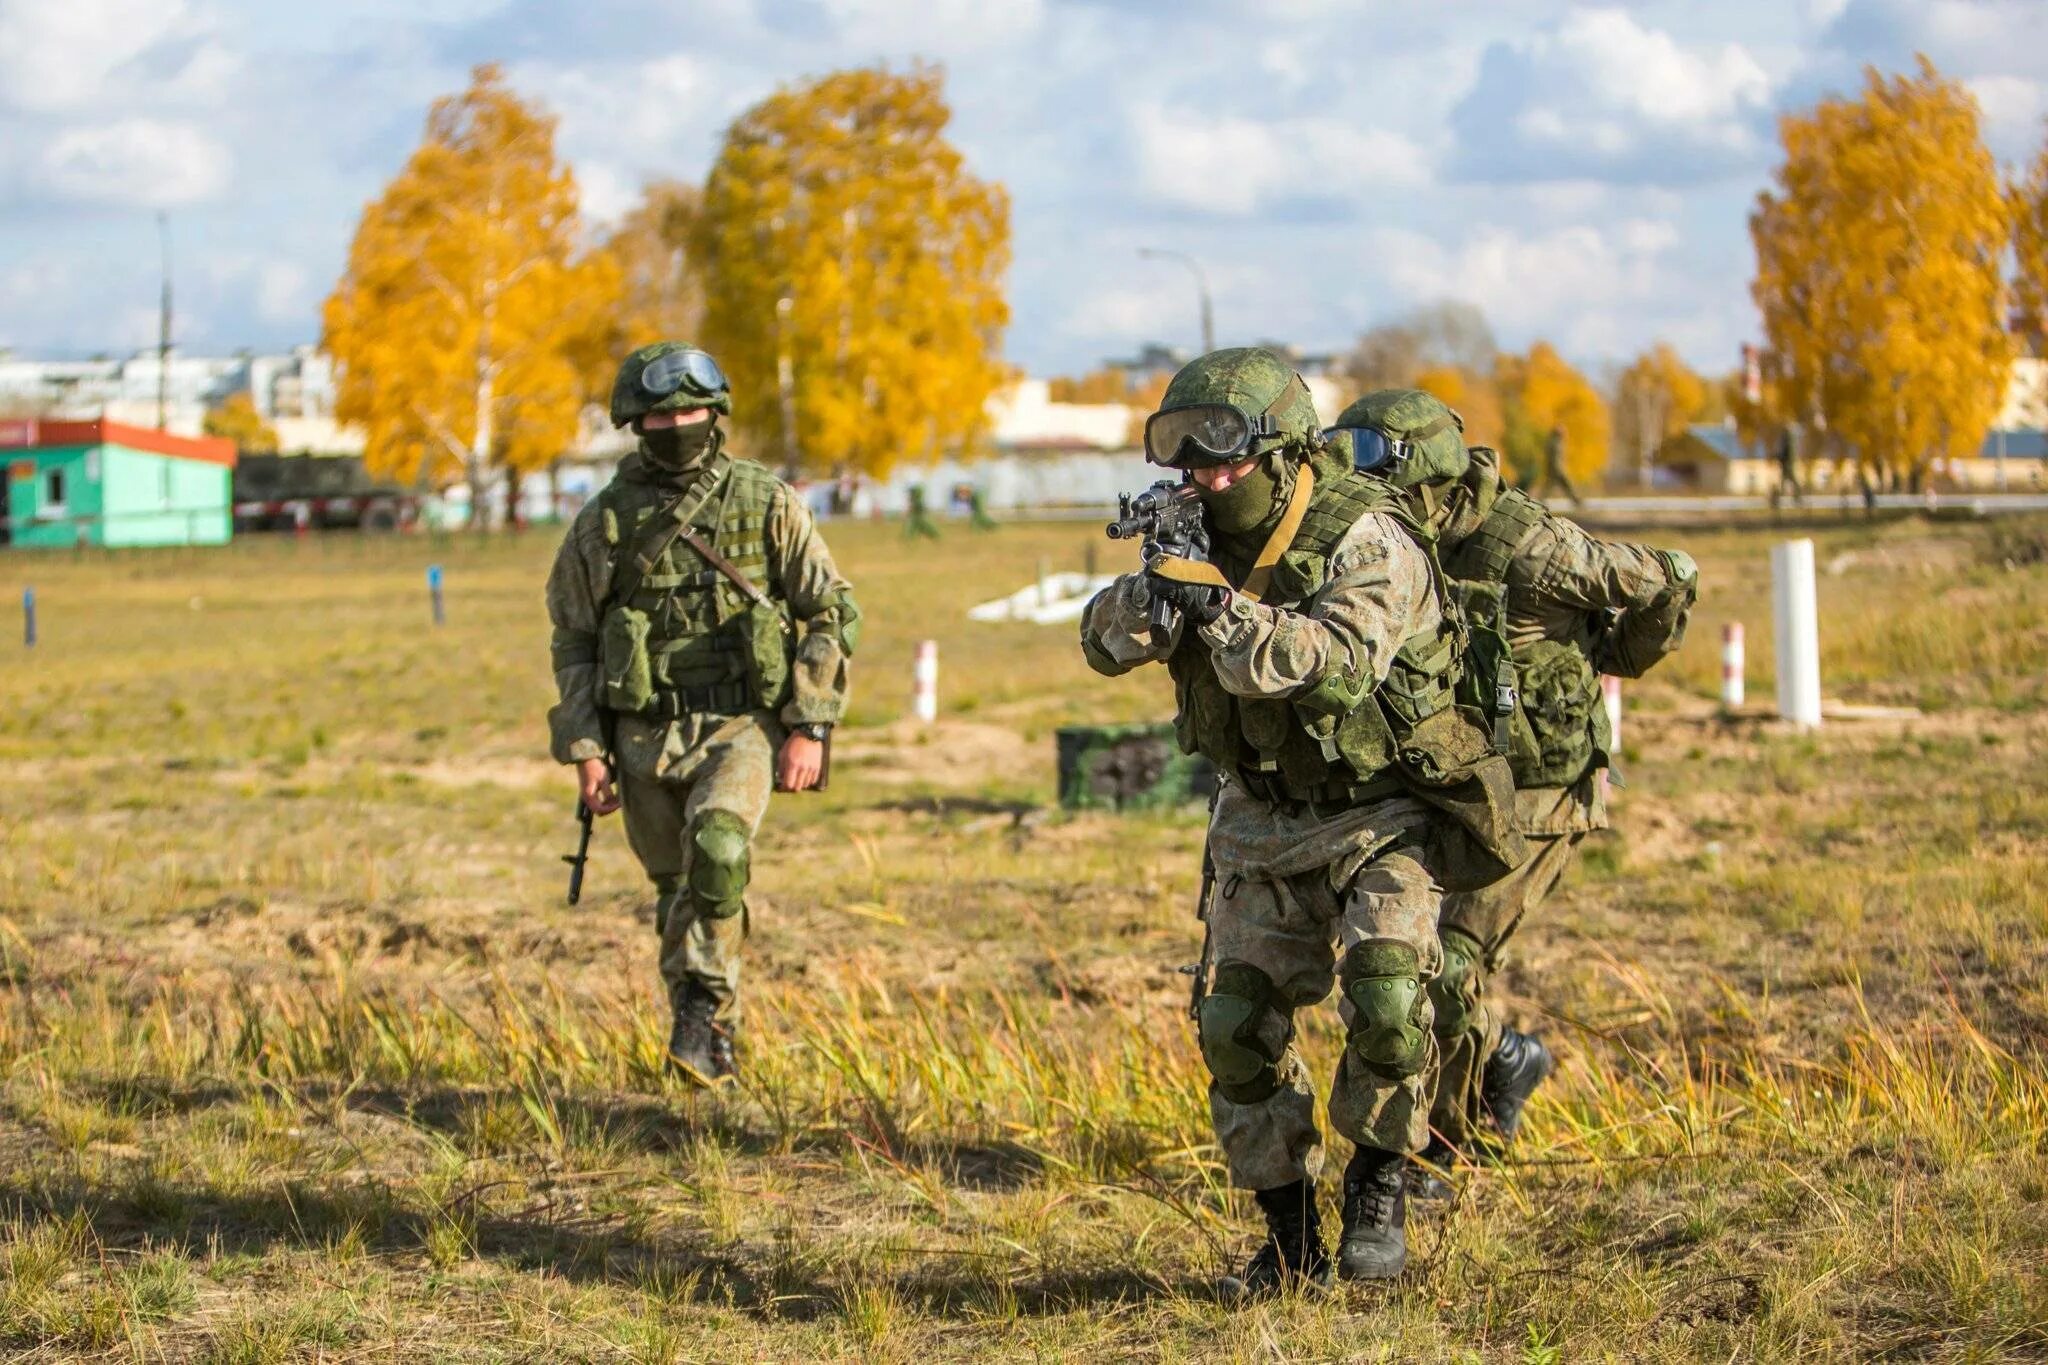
1576, 608
1555, 476
1317, 660
701, 639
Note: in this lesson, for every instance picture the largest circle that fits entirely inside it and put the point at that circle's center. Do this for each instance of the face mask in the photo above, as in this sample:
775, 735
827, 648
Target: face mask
677, 447
1246, 503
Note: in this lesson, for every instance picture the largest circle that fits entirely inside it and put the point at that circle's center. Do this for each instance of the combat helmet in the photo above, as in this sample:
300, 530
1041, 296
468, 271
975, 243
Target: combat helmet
1229, 405
666, 377
1405, 436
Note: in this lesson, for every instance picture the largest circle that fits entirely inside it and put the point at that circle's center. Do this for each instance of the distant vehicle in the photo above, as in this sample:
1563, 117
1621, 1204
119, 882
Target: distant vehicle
318, 492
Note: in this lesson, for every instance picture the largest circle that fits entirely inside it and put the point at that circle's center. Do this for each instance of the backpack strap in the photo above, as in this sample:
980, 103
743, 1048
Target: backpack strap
1487, 552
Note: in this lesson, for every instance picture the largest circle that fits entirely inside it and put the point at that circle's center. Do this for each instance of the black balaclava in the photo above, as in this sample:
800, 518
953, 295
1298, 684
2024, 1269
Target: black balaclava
678, 450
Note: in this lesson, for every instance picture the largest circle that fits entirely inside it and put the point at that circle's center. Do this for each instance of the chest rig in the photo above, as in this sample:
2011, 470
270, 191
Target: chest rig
705, 644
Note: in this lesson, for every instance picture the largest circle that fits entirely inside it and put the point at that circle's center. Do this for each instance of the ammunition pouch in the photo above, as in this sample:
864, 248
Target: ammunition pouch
770, 646
1388, 1031
626, 661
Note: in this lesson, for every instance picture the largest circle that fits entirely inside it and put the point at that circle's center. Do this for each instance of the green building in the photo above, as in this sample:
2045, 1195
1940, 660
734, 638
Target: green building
105, 483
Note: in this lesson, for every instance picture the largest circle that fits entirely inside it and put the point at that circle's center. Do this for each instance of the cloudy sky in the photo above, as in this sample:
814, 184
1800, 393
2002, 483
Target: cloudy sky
1581, 172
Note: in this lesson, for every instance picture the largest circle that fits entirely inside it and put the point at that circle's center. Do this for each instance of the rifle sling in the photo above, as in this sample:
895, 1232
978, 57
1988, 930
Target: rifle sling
643, 558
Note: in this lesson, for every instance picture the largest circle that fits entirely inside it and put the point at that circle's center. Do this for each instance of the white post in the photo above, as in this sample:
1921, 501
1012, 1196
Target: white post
925, 682
1795, 617
1610, 697
1732, 667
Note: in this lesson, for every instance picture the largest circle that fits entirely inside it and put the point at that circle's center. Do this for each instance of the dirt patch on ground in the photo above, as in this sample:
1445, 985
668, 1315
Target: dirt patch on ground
948, 753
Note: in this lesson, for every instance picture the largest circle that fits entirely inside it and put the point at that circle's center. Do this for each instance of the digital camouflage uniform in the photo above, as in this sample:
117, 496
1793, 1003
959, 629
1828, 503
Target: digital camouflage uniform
1576, 607
1320, 662
696, 760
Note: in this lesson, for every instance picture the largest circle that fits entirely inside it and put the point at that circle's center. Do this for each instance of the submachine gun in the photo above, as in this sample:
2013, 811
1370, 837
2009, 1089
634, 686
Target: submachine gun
1167, 517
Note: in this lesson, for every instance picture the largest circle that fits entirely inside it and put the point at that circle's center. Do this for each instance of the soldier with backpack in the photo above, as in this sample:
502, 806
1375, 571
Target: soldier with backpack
1318, 659
1576, 608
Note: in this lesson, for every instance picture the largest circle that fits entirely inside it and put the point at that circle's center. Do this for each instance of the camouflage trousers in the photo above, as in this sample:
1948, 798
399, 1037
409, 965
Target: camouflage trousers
1491, 916
669, 781
1293, 928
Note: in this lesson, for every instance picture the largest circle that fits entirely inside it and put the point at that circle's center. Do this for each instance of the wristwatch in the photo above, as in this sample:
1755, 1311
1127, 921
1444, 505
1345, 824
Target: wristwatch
811, 729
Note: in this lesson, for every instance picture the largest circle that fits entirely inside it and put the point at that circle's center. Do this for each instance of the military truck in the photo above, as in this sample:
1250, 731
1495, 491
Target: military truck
318, 492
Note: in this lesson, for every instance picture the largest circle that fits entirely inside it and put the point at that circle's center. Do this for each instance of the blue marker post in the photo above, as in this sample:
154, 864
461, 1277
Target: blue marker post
434, 591
28, 617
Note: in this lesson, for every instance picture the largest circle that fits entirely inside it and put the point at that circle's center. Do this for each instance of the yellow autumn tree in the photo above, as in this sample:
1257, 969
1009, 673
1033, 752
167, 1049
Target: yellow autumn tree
2030, 252
237, 420
1541, 391
853, 273
1878, 254
1658, 396
458, 322
660, 296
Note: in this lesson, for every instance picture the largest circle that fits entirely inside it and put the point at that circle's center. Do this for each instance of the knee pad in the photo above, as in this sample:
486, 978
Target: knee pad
718, 864
1233, 1025
1455, 992
1382, 979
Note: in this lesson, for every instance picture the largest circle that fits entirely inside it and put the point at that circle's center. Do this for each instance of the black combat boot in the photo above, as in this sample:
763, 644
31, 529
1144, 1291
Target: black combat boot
1374, 1245
1293, 1256
1426, 1173
699, 1047
1512, 1074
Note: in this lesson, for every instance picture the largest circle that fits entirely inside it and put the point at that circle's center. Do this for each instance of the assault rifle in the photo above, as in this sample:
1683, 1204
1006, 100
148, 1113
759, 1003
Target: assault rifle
581, 856
1168, 518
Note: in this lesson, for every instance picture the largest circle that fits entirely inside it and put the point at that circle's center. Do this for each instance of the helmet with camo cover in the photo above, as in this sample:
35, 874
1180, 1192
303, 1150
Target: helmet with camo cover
1231, 405
668, 376
1405, 436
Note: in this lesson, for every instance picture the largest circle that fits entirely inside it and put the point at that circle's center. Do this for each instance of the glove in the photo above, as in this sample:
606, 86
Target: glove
1199, 602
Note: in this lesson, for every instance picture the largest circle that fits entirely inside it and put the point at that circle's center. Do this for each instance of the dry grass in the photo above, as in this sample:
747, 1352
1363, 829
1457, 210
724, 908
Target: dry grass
300, 1055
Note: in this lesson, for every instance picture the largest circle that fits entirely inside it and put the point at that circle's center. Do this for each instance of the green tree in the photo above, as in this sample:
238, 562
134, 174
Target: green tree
851, 262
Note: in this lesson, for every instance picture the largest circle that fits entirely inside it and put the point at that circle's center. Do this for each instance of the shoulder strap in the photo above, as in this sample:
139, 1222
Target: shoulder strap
1487, 552
746, 585
675, 521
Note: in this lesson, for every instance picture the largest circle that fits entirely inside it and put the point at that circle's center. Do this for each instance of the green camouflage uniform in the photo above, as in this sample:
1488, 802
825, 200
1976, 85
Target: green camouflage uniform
1563, 588
702, 757
1298, 884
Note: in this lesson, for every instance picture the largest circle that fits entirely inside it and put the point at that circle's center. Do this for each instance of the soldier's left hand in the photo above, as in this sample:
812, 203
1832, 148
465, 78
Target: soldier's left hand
799, 764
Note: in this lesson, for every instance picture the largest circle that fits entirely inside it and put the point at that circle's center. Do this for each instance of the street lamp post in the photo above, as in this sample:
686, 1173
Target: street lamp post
1153, 253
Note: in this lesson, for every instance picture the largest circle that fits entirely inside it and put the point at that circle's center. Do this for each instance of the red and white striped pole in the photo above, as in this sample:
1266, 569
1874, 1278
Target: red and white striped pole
925, 682
1732, 666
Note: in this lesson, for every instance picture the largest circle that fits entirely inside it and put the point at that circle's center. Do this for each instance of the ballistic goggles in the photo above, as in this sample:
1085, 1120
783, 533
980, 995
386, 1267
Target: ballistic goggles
687, 369
1371, 448
1203, 434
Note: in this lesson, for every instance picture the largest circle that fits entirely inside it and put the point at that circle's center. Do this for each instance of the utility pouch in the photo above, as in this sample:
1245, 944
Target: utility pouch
623, 655
768, 654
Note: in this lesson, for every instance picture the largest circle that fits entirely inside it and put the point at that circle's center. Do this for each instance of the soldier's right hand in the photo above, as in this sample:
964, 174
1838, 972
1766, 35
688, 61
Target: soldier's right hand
600, 793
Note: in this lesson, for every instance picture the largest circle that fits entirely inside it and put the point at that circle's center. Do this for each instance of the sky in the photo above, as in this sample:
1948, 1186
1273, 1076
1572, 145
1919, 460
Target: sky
1582, 173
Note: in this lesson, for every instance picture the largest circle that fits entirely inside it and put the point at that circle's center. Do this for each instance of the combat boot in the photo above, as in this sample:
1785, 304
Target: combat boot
1374, 1245
1426, 1173
1512, 1074
1293, 1256
699, 1047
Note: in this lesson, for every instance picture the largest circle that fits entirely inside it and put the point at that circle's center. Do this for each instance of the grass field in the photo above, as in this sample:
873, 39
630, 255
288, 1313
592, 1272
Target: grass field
302, 1056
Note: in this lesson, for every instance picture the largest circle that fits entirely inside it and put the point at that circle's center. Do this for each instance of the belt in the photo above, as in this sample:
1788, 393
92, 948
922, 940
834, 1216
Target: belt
1325, 800
717, 699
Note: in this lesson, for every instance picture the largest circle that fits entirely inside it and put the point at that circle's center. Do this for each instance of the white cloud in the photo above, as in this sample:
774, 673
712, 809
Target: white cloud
66, 54
1598, 96
137, 162
627, 123
936, 28
1237, 167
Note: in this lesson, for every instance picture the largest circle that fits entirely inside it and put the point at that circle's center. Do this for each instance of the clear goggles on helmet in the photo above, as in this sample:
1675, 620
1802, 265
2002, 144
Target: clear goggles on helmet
1205, 434
690, 368
1371, 448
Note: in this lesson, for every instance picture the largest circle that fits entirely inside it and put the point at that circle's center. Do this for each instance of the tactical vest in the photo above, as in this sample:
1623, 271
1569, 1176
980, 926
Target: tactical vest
707, 648
1340, 744
1559, 732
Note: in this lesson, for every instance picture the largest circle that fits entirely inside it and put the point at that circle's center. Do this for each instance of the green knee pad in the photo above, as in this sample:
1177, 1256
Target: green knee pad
1382, 978
1455, 992
1245, 1068
718, 868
